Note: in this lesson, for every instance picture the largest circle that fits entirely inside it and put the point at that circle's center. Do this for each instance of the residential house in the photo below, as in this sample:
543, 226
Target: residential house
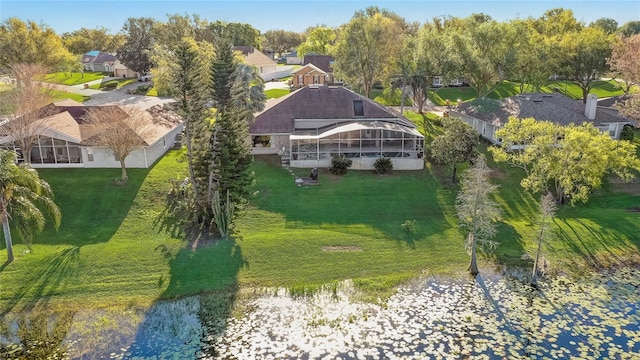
438, 81
98, 61
292, 58
121, 70
317, 69
68, 141
553, 107
266, 66
313, 124
310, 75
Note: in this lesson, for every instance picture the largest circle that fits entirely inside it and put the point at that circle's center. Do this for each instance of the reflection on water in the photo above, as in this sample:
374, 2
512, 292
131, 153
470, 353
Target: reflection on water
494, 317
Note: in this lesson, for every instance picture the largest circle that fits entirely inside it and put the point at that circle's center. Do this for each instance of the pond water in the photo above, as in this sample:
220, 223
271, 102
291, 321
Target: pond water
490, 317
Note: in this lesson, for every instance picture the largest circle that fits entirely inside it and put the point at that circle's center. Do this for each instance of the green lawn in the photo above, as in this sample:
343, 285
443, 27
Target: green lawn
602, 89
59, 95
276, 93
114, 247
121, 82
66, 78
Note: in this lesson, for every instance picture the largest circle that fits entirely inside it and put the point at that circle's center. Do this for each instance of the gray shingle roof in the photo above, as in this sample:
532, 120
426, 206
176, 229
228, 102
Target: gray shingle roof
321, 102
554, 107
323, 62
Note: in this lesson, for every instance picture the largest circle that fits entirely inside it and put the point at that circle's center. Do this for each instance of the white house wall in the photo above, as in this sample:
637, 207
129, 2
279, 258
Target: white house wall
361, 164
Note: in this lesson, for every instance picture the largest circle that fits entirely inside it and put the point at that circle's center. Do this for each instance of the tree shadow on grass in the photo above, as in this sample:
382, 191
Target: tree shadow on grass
191, 325
595, 243
58, 271
93, 206
359, 202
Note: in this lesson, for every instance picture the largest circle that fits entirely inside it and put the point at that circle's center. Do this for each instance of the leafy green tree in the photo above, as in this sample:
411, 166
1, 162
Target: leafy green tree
456, 145
139, 41
84, 40
406, 66
477, 212
281, 40
557, 22
585, 56
432, 58
608, 25
482, 52
547, 213
569, 160
30, 43
319, 40
536, 57
630, 28
190, 77
366, 48
238, 34
236, 91
25, 199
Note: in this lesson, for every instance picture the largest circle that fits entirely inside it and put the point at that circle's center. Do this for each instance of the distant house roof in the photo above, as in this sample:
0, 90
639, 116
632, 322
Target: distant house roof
97, 57
306, 68
319, 102
254, 57
103, 58
553, 107
324, 62
610, 101
67, 119
291, 54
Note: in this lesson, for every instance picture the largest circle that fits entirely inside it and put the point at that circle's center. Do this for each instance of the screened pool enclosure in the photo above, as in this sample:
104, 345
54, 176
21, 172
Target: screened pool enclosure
358, 141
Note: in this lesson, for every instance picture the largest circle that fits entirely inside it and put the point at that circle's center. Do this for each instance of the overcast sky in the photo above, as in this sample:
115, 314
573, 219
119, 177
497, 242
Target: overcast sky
65, 16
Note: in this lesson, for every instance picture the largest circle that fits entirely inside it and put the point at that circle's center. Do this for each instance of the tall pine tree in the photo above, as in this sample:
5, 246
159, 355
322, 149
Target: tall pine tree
190, 79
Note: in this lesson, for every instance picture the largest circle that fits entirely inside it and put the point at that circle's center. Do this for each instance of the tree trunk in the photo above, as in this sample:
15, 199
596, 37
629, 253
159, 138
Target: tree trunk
7, 236
124, 177
454, 179
402, 95
534, 274
473, 266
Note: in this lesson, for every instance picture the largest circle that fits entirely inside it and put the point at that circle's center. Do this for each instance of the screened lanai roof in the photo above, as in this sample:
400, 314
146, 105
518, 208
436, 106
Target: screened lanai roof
360, 125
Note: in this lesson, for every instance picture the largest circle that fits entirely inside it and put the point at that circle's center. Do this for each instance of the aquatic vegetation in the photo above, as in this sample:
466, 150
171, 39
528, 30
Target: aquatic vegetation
492, 316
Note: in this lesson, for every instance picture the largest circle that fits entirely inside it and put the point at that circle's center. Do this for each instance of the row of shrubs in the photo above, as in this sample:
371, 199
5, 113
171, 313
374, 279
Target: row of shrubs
340, 165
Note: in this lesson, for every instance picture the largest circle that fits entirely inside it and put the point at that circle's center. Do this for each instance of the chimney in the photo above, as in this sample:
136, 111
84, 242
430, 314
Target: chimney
590, 108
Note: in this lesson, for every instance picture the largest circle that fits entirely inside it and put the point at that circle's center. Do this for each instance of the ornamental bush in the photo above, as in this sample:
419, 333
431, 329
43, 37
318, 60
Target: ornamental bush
383, 166
627, 133
339, 165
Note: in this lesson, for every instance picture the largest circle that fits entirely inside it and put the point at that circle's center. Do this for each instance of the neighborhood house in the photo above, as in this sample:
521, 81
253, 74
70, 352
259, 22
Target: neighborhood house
67, 140
553, 107
310, 126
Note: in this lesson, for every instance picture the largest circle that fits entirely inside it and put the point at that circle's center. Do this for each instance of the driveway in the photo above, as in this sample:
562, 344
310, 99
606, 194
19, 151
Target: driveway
115, 97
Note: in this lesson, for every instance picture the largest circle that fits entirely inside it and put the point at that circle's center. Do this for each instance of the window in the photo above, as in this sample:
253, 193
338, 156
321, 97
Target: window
164, 143
358, 108
316, 79
89, 154
300, 80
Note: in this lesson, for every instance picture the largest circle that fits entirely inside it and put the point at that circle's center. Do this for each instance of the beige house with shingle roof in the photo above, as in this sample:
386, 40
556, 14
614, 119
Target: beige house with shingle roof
67, 140
310, 126
254, 57
553, 107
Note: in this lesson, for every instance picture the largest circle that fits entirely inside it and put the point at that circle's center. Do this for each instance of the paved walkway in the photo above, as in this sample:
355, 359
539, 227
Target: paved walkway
113, 97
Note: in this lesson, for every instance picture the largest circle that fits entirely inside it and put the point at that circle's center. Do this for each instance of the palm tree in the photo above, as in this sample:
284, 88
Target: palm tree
25, 198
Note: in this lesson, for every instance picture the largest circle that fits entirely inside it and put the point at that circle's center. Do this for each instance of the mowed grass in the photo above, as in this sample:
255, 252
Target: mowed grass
601, 88
115, 248
276, 93
74, 78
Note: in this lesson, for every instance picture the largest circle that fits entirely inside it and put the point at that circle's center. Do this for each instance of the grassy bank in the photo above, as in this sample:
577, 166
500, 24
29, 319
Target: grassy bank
114, 249
73, 78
